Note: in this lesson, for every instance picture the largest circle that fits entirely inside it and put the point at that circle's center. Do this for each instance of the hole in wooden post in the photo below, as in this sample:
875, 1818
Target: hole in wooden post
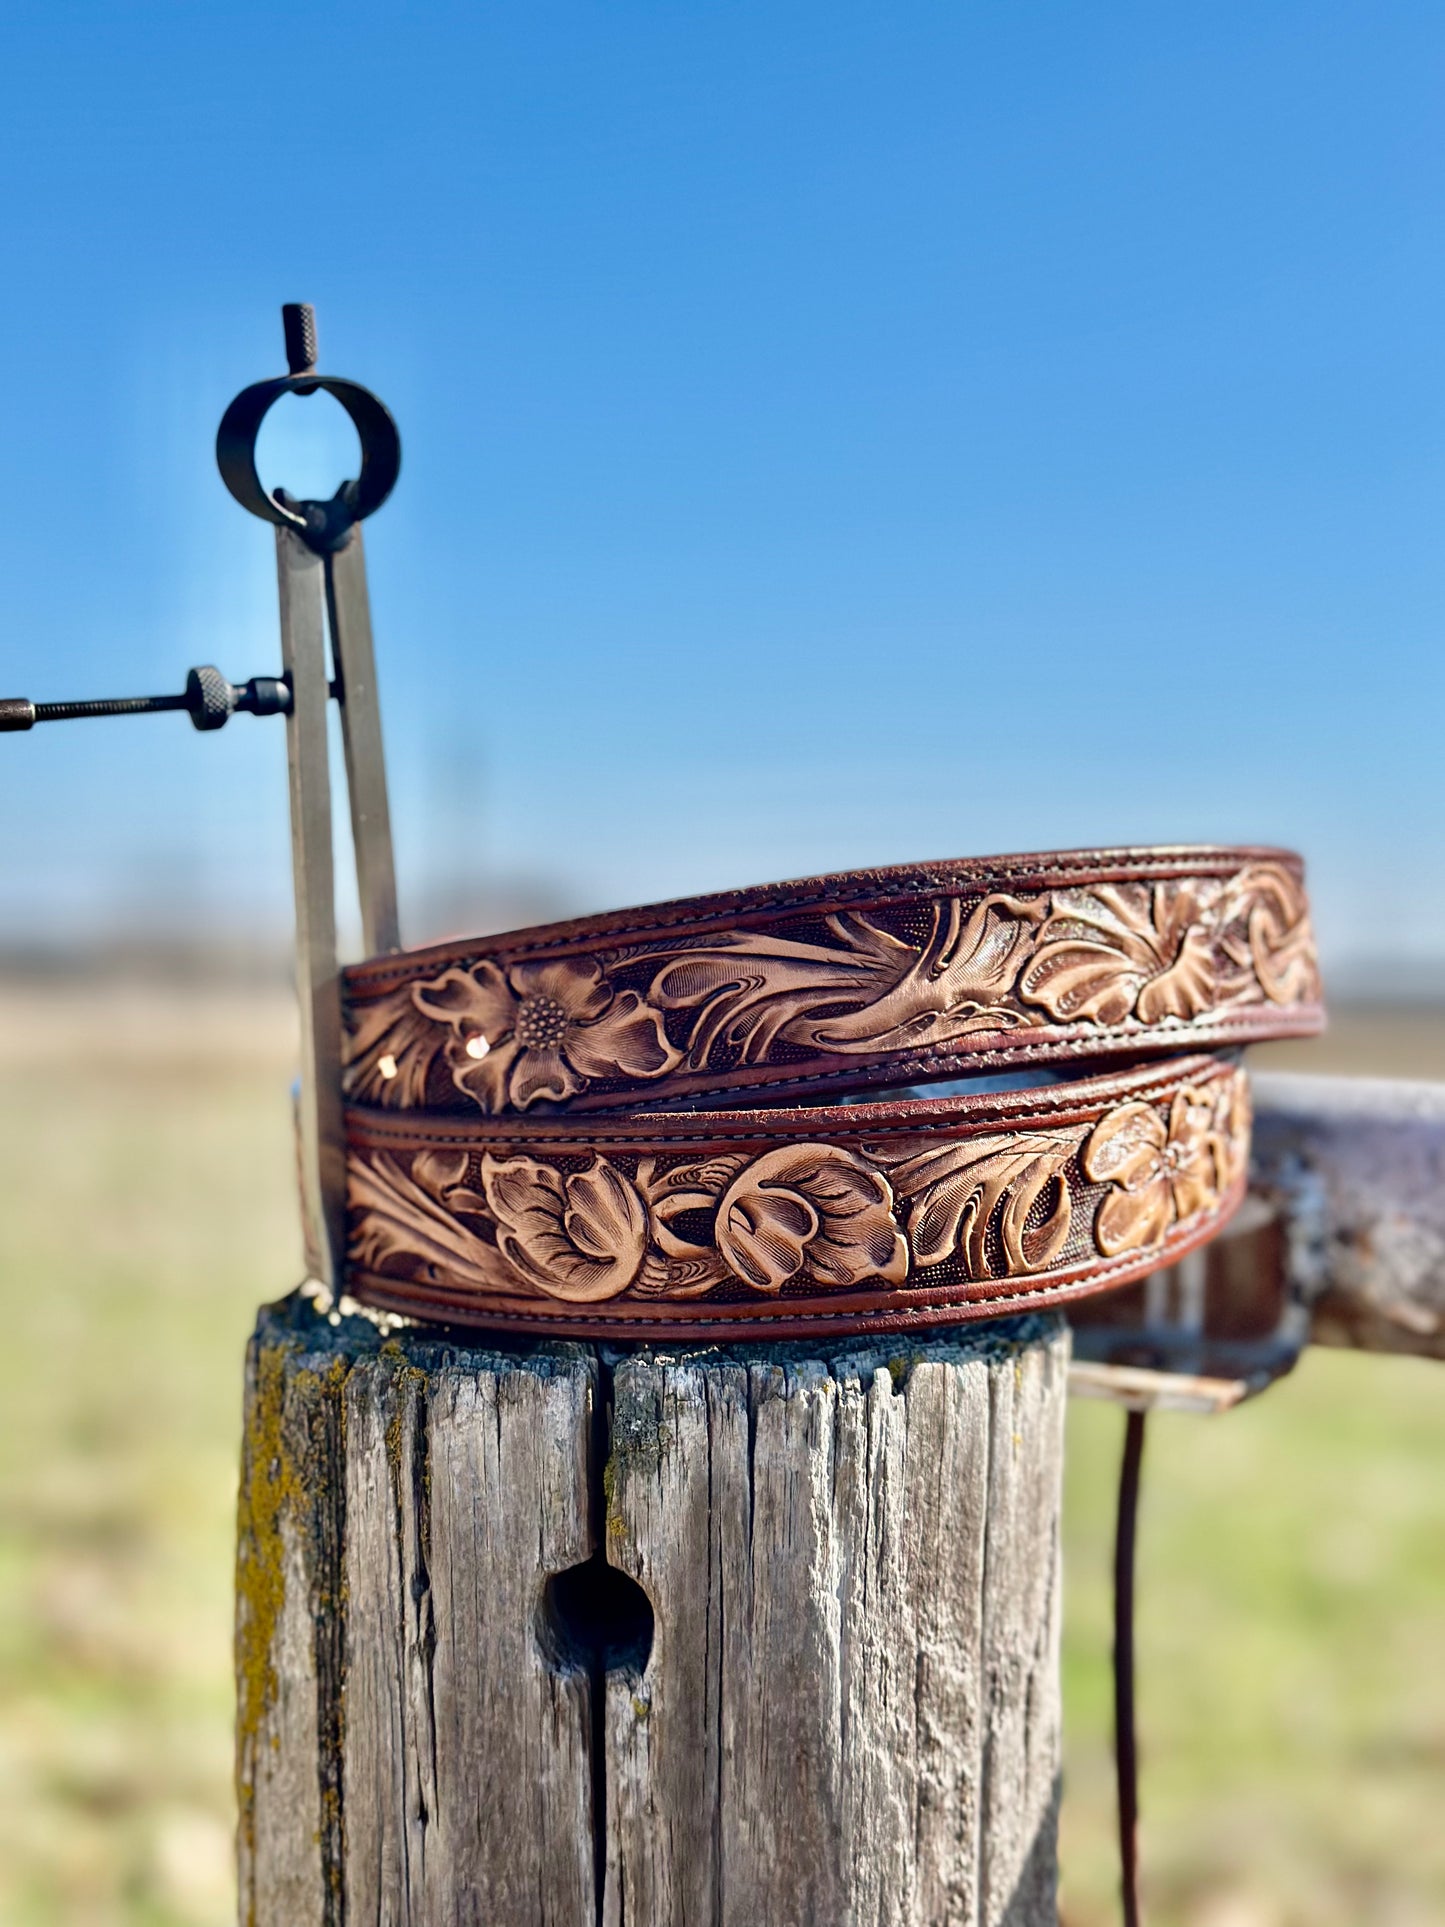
594, 1617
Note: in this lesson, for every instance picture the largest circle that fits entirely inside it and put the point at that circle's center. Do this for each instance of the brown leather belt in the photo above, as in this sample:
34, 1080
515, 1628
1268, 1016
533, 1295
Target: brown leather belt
536, 1140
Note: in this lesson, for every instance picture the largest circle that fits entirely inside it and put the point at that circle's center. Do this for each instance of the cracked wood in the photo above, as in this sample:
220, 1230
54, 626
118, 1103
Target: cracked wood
849, 1714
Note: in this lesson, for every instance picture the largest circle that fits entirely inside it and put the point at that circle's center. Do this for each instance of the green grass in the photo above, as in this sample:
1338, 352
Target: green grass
1292, 1579
144, 1211
1292, 1601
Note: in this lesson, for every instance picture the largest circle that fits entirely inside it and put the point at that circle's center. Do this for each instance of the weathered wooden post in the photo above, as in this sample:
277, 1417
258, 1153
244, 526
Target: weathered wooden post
557, 1634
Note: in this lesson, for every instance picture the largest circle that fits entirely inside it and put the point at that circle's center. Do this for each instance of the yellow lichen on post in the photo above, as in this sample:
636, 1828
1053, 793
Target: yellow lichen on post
289, 1627
269, 1490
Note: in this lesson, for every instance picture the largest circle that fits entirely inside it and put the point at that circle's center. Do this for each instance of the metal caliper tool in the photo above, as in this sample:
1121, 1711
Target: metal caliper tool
321, 570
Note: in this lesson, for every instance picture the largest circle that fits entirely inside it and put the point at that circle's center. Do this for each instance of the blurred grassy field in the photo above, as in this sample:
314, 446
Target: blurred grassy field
1293, 1554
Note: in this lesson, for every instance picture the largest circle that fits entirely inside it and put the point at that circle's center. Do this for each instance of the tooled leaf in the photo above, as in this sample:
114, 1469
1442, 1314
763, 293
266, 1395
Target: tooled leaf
580, 1237
396, 1221
813, 1210
1277, 945
748, 986
687, 1276
391, 1026
872, 992
705, 1180
957, 983
963, 1194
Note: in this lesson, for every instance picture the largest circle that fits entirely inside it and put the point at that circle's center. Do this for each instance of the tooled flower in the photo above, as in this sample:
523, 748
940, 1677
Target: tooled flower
803, 1213
1160, 1175
812, 1210
809, 1212
541, 1030
578, 1236
1121, 951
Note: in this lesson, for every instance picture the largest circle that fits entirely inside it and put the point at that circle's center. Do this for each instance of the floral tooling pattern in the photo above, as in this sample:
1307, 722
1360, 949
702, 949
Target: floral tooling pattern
1106, 956
1163, 1172
541, 1030
804, 1217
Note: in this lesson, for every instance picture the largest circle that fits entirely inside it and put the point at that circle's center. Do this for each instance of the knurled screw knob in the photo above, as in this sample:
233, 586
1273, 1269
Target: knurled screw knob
210, 698
298, 319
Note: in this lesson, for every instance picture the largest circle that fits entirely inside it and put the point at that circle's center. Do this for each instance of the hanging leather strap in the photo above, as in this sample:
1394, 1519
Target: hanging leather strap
1126, 1749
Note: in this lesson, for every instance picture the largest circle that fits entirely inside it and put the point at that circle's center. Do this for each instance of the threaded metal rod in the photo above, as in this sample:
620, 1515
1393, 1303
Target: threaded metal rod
208, 698
106, 706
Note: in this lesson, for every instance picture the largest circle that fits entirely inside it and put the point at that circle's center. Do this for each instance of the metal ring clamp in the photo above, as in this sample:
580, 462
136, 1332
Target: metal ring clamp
323, 526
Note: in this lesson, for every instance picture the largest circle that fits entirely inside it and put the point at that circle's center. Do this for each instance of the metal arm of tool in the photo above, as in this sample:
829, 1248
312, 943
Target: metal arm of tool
321, 567
301, 587
349, 611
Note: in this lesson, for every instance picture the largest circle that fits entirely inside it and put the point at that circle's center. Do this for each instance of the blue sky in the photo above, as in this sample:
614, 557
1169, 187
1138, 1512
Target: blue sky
833, 435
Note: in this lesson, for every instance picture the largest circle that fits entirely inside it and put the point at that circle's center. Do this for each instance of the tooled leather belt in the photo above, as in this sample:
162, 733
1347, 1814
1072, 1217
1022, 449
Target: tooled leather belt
573, 1129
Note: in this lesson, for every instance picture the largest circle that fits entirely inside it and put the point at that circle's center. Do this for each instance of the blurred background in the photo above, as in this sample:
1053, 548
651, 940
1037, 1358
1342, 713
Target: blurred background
834, 435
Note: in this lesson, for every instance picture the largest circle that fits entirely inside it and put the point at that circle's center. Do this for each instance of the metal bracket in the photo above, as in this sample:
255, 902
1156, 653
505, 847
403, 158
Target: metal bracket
1217, 1328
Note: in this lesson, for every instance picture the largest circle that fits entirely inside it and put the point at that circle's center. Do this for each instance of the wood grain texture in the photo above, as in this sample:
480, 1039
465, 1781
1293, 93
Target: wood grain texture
849, 1713
288, 1620
467, 1770
1355, 1167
